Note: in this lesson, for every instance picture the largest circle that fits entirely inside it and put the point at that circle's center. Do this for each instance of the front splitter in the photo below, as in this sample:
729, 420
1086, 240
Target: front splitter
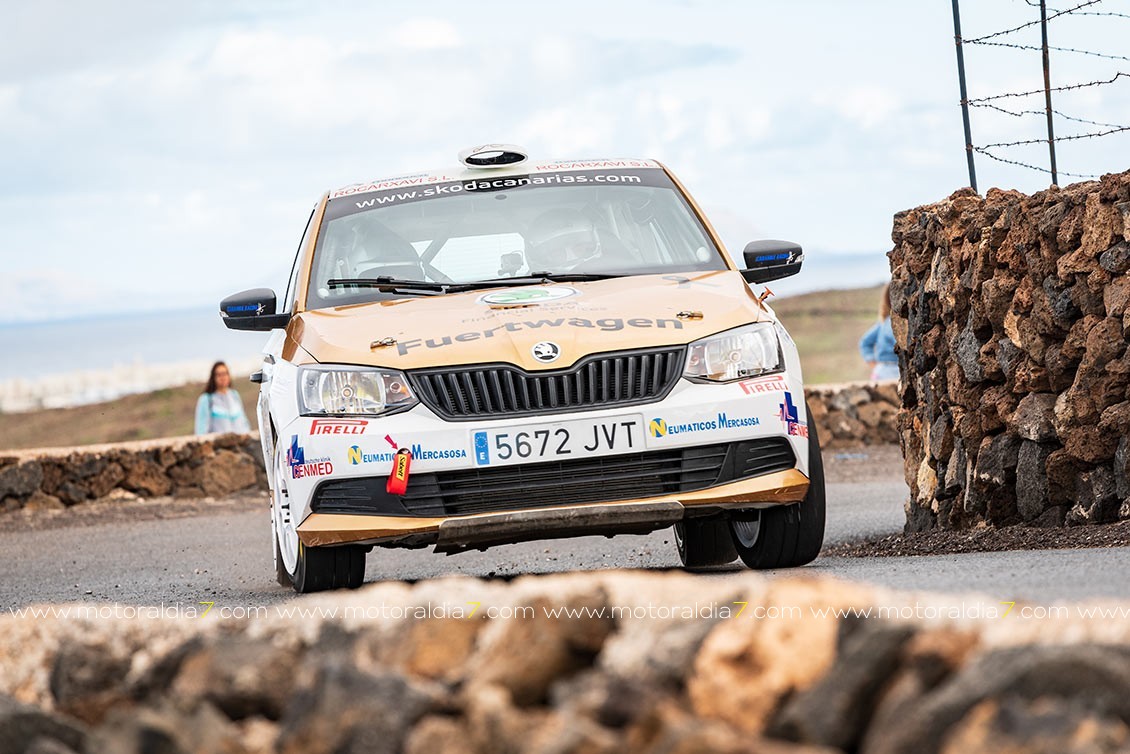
455, 533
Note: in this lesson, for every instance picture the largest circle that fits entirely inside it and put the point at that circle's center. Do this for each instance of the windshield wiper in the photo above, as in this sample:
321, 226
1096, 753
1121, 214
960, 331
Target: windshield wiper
536, 278
572, 277
386, 283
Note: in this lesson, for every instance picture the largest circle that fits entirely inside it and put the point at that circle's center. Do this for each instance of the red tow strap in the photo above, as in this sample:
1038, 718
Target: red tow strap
398, 479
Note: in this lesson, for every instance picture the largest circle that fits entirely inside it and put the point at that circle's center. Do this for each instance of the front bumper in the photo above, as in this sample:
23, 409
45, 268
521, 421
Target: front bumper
702, 449
480, 530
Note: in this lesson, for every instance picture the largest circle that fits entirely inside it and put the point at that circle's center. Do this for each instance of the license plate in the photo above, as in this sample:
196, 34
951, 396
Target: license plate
558, 441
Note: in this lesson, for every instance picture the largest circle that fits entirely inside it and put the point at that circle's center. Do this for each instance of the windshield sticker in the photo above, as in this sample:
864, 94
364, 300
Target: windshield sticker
528, 295
608, 324
546, 166
589, 164
352, 203
402, 181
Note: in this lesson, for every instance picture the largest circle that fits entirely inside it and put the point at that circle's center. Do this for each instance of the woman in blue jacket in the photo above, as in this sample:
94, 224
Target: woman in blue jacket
219, 409
877, 346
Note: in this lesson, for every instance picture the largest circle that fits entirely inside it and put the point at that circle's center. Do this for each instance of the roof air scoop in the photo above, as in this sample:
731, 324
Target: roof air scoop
492, 156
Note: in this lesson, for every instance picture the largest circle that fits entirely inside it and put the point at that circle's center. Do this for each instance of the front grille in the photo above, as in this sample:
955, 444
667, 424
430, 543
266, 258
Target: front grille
583, 480
624, 378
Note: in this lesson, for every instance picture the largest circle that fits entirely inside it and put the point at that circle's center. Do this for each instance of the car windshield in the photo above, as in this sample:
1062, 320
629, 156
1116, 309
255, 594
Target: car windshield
627, 222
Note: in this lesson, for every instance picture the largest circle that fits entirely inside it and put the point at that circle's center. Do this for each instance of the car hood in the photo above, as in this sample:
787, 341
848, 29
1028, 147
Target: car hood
504, 325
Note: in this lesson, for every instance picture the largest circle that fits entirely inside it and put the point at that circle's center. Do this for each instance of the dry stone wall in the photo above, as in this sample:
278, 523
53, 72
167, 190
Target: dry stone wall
855, 413
1011, 313
209, 466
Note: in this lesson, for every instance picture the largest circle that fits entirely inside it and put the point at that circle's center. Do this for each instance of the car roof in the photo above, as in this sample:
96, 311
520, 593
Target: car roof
462, 173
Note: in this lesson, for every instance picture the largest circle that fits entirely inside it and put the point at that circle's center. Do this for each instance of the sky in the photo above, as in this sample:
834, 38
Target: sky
163, 155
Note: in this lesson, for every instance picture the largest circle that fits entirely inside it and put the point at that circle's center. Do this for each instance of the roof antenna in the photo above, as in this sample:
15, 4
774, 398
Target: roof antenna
493, 156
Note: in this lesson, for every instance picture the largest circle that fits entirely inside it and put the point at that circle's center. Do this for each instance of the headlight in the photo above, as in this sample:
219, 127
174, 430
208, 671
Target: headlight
355, 391
735, 354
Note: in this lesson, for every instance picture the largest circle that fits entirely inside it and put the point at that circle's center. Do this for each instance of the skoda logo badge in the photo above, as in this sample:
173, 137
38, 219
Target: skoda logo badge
546, 352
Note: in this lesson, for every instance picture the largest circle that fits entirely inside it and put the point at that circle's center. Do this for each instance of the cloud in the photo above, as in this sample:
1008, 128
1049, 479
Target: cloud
49, 38
427, 34
48, 293
866, 106
186, 144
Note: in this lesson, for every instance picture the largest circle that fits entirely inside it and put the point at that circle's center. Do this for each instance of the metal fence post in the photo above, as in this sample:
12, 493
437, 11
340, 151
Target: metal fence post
965, 97
1047, 86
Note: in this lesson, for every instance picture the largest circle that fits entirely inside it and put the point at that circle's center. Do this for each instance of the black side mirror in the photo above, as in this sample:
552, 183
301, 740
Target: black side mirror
771, 260
252, 310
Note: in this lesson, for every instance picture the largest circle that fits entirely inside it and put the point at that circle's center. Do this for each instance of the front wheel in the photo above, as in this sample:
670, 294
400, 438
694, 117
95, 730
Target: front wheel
786, 536
322, 568
704, 542
309, 569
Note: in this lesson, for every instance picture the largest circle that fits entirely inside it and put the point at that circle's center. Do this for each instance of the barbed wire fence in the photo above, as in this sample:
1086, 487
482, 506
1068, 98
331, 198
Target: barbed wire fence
994, 102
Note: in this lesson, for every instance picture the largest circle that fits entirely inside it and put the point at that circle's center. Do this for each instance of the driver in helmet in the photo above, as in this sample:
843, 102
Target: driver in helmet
561, 239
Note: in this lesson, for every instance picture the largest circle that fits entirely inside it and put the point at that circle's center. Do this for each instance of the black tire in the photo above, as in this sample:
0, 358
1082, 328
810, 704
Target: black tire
704, 542
791, 535
281, 575
322, 568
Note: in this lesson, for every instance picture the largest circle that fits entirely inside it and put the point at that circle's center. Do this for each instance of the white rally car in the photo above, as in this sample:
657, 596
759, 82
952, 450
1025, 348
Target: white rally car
513, 349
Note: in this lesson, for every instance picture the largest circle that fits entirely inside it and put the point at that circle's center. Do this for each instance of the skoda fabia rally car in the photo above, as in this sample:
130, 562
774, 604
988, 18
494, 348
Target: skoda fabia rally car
513, 349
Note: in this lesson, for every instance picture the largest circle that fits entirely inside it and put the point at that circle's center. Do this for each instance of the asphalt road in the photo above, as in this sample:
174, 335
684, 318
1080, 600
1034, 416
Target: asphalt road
224, 555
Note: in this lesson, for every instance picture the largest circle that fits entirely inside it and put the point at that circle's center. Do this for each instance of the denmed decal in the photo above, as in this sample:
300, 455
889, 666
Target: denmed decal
301, 467
608, 324
319, 467
791, 418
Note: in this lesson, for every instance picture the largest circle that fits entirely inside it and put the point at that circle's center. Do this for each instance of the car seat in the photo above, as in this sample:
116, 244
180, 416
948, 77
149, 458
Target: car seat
388, 255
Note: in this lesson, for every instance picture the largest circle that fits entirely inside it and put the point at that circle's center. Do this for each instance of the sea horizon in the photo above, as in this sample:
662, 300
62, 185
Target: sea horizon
73, 360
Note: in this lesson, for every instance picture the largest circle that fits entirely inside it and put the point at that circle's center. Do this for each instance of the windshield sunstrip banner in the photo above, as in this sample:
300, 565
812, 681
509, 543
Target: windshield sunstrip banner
416, 179
349, 205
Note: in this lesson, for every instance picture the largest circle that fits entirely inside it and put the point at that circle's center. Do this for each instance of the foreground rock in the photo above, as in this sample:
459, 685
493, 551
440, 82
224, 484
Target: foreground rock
1012, 314
612, 662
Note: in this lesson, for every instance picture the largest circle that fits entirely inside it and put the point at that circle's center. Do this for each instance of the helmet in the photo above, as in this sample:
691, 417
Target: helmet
560, 238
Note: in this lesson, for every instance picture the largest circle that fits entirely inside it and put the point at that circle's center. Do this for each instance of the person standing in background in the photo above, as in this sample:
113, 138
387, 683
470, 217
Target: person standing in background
219, 408
877, 346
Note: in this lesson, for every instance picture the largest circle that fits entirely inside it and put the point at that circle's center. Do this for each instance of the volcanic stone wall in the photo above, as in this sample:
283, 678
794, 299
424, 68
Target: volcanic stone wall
187, 467
854, 413
1011, 316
